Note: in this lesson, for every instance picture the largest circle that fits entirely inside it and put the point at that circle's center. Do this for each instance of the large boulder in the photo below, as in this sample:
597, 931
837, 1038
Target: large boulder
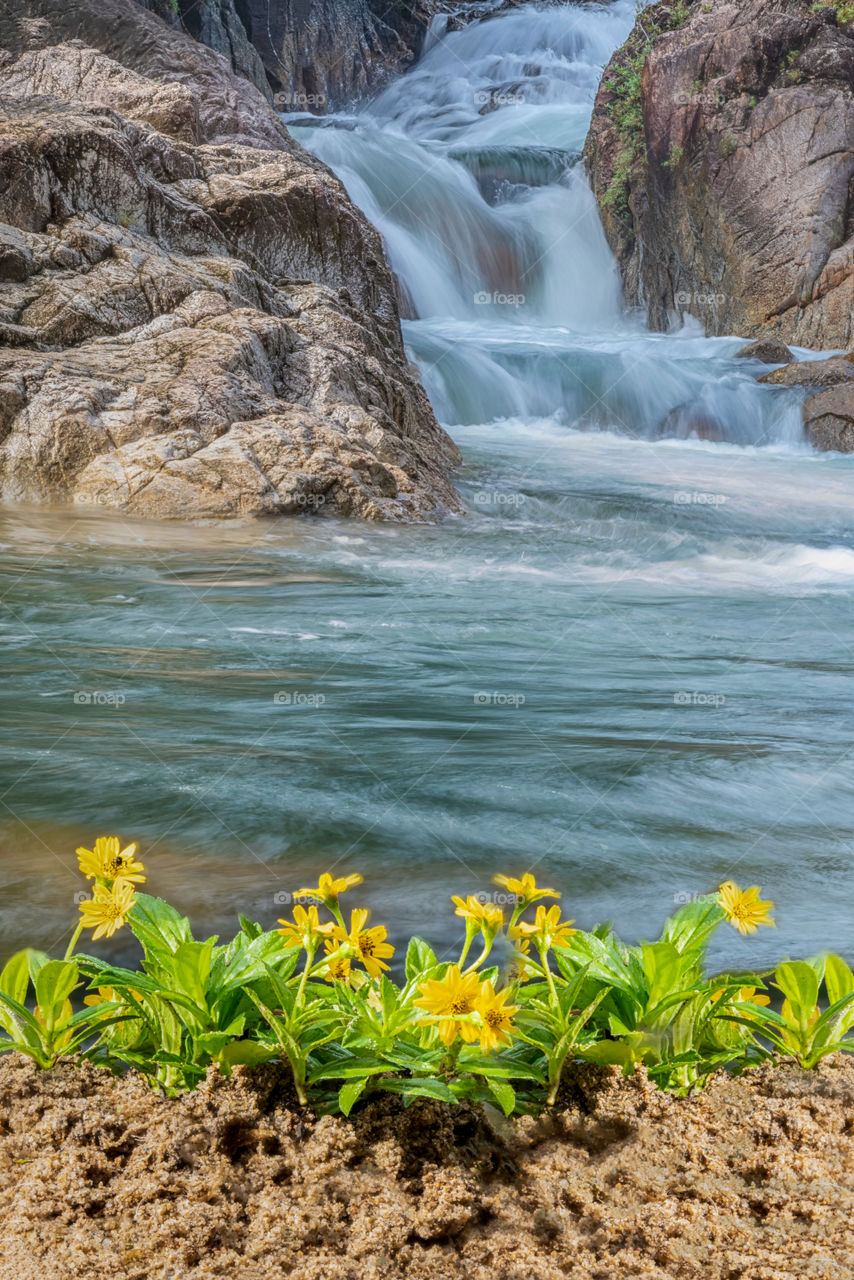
194, 317
721, 150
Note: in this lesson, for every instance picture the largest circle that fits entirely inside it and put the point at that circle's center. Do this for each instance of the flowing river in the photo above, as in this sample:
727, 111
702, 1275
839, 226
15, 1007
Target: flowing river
627, 668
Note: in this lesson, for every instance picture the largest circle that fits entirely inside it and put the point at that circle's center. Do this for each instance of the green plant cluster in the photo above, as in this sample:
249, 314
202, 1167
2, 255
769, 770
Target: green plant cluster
316, 994
623, 81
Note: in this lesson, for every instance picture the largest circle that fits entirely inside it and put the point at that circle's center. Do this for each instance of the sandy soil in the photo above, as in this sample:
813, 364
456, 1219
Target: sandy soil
752, 1180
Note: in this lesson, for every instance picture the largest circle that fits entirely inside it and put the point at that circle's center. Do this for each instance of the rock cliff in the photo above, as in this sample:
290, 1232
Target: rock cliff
194, 318
314, 54
721, 151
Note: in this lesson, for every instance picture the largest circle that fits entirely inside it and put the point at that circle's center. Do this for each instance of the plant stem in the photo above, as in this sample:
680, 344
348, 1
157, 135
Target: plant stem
309, 960
544, 961
75, 938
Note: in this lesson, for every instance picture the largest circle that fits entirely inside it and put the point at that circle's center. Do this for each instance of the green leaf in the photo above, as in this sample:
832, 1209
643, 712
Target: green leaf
838, 978
354, 1070
420, 957
54, 984
663, 966
15, 977
504, 1095
420, 1088
609, 1053
191, 967
799, 983
349, 1094
158, 926
245, 1053
14, 981
690, 928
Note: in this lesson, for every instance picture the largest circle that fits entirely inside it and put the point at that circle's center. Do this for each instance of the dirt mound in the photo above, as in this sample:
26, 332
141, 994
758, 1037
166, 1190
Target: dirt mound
101, 1178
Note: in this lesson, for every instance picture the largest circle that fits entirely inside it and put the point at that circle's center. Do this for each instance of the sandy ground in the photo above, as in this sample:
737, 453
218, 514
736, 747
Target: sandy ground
100, 1178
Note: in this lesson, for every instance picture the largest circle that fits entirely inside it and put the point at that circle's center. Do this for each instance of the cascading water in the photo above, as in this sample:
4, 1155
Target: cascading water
470, 167
627, 667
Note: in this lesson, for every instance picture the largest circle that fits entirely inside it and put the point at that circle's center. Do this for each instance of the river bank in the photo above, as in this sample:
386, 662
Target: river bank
754, 1178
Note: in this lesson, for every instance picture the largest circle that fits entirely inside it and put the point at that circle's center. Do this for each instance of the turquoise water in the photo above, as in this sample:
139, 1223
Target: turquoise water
628, 667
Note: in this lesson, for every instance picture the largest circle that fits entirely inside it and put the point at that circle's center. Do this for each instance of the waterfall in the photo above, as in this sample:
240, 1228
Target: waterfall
470, 166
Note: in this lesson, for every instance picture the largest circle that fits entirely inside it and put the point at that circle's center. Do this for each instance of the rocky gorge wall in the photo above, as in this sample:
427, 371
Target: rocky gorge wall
312, 54
194, 319
721, 151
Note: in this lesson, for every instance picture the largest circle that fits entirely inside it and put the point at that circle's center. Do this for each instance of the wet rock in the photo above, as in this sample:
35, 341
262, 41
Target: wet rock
205, 325
768, 350
813, 373
724, 172
686, 421
829, 419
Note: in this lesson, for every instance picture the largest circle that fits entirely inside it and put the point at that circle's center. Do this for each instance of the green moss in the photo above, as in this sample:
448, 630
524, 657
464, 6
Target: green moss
844, 12
623, 80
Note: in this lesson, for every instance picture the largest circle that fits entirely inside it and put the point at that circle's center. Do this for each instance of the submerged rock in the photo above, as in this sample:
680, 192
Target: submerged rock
812, 373
721, 151
829, 419
768, 350
196, 320
687, 421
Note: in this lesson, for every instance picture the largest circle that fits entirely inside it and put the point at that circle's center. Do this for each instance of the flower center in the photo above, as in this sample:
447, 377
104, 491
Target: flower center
460, 1006
366, 945
493, 1018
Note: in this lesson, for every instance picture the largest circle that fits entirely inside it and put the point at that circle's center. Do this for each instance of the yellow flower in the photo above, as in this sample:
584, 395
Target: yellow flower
743, 908
746, 995
369, 945
448, 999
526, 890
337, 966
104, 995
495, 1016
327, 890
486, 915
305, 930
107, 861
107, 909
519, 940
548, 930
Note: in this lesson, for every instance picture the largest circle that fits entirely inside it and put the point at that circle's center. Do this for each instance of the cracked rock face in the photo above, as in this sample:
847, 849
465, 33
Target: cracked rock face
194, 320
739, 207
